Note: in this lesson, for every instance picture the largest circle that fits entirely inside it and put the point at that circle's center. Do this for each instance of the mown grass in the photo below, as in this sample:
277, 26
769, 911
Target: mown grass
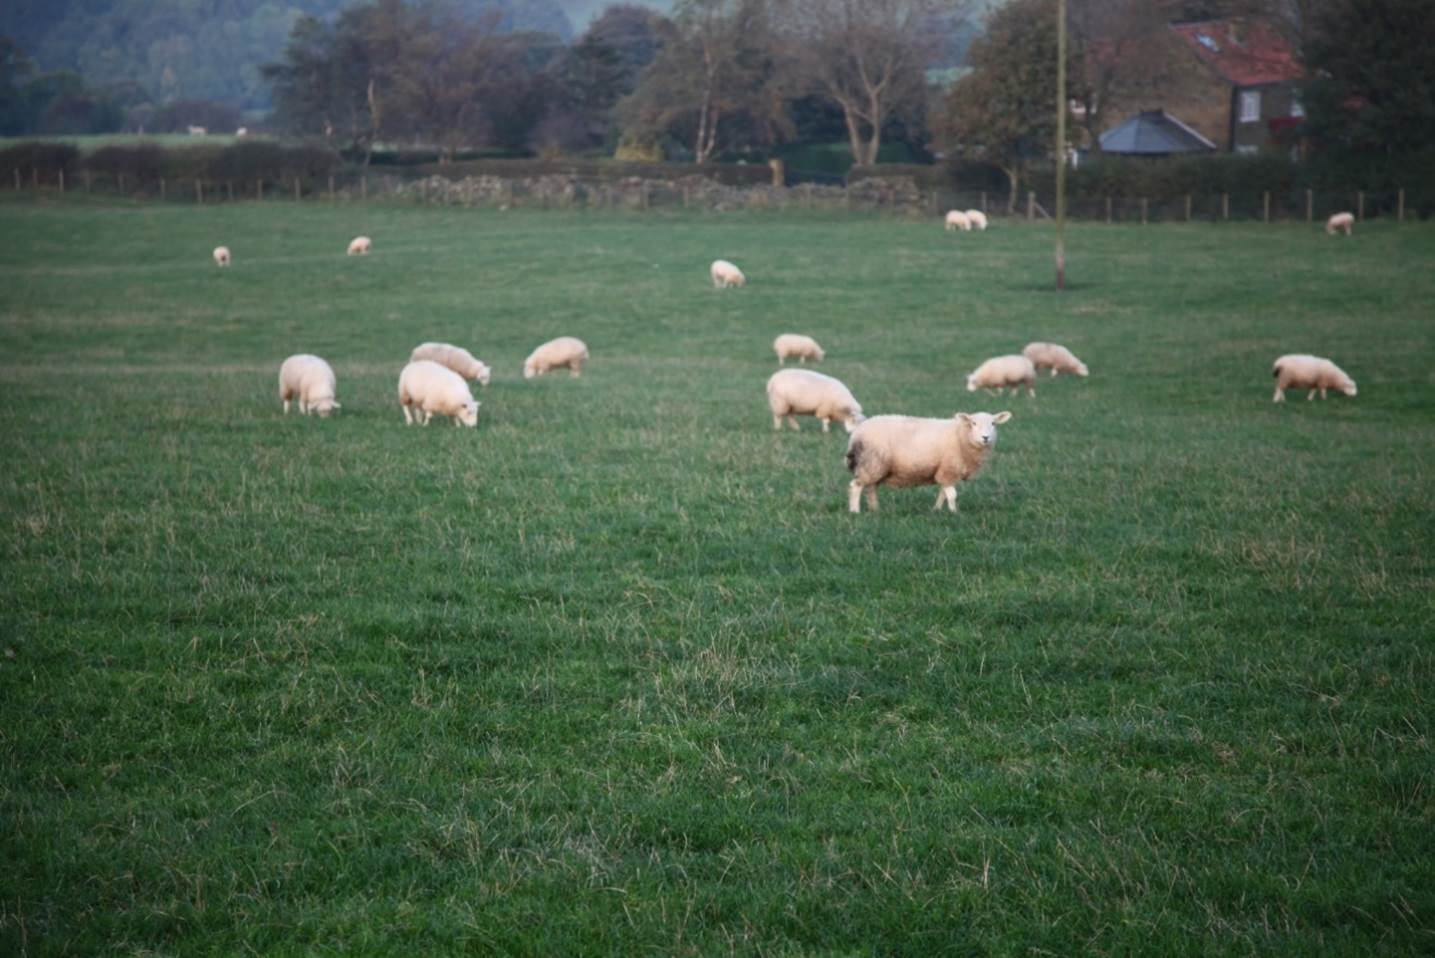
617, 673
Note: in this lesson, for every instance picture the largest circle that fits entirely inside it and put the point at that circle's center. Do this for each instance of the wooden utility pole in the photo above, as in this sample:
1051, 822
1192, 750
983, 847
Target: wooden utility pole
1061, 144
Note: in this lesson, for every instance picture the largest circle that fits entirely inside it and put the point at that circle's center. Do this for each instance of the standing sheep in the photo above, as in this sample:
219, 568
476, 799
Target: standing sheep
555, 354
360, 246
1303, 371
1057, 358
957, 220
801, 392
1340, 223
977, 218
803, 347
456, 358
912, 451
1001, 371
725, 274
426, 388
221, 256
311, 381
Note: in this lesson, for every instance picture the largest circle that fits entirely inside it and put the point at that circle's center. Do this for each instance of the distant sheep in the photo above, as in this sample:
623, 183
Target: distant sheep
1302, 371
912, 451
1002, 371
977, 219
792, 344
311, 381
1340, 223
555, 354
725, 274
1058, 359
957, 220
221, 256
801, 392
456, 358
426, 388
360, 246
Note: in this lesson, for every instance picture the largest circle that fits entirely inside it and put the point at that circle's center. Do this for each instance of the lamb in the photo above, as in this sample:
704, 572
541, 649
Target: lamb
1057, 358
360, 246
1302, 371
555, 354
725, 274
456, 358
957, 220
1340, 223
425, 388
311, 381
1001, 371
221, 256
801, 392
913, 451
803, 347
977, 218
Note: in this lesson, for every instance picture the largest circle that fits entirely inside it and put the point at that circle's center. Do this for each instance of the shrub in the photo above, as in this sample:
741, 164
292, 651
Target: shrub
47, 158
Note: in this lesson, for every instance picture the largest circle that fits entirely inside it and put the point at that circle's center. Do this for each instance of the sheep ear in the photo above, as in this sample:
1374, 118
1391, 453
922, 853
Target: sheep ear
963, 418
1001, 417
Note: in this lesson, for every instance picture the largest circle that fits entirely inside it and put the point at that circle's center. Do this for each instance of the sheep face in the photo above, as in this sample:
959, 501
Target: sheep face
972, 383
468, 415
528, 371
853, 419
324, 407
982, 426
1349, 388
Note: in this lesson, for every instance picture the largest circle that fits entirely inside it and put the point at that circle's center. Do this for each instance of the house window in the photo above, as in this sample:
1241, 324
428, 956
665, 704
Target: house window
1245, 148
1297, 110
1250, 106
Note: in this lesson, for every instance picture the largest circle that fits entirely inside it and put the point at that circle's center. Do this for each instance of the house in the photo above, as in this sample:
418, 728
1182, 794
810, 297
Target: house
1251, 93
1154, 133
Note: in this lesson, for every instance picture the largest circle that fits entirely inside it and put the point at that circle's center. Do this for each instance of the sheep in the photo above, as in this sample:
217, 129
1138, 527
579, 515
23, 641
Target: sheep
801, 392
803, 347
957, 220
1058, 358
1001, 371
1302, 371
221, 256
456, 358
725, 274
977, 219
311, 381
555, 354
1340, 223
360, 246
425, 388
914, 451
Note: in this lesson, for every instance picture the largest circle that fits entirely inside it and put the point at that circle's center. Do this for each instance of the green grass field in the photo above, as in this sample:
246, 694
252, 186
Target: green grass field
617, 673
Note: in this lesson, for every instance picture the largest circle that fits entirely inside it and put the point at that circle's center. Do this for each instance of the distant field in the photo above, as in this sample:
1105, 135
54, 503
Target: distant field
88, 144
616, 672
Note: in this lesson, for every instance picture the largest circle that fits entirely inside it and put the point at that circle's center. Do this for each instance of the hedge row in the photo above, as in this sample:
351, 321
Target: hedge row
252, 160
600, 170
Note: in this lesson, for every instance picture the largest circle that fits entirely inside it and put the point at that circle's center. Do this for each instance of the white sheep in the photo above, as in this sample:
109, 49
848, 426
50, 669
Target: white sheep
913, 451
1055, 357
725, 274
1002, 371
1303, 371
1340, 223
977, 218
360, 246
456, 358
555, 354
425, 388
311, 381
221, 256
801, 392
957, 220
792, 344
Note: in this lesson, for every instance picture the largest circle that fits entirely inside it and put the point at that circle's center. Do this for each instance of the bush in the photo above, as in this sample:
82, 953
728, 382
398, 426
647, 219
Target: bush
47, 158
137, 163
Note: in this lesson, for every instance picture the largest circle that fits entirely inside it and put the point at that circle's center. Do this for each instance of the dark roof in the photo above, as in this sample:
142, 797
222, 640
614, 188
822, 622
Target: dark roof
1155, 133
1244, 53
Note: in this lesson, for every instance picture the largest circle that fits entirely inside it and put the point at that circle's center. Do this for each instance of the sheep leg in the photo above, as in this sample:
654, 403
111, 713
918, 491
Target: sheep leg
941, 496
1053, 372
826, 425
802, 360
792, 421
951, 493
854, 496
1280, 395
872, 497
408, 417
1311, 396
1030, 389
777, 423
286, 407
1322, 392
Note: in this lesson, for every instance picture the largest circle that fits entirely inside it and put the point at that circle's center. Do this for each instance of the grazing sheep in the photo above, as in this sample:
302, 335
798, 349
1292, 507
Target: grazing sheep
912, 451
425, 387
801, 392
1340, 223
957, 220
456, 358
360, 246
221, 256
311, 381
555, 354
1302, 371
725, 274
1001, 371
977, 218
1057, 358
803, 347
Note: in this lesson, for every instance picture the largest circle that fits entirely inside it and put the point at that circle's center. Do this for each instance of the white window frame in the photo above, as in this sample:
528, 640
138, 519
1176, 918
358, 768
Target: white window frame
1250, 106
1297, 108
1246, 149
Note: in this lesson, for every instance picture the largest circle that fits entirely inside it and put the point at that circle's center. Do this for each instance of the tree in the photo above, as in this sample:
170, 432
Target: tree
598, 71
15, 70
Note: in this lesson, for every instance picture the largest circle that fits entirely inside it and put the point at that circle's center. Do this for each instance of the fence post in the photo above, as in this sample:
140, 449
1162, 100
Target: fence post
17, 179
1108, 211
984, 201
62, 181
122, 183
643, 193
364, 186
1400, 205
1266, 205
296, 189
87, 181
1030, 205
35, 179
1188, 207
199, 192
1309, 205
229, 190
1360, 204
331, 187
1143, 211
161, 188
259, 188
1225, 206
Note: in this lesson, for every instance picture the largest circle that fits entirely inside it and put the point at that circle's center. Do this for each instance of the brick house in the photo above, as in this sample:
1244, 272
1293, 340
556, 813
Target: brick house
1249, 95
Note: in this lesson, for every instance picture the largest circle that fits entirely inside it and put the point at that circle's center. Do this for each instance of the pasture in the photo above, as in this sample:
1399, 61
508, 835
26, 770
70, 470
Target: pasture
617, 673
